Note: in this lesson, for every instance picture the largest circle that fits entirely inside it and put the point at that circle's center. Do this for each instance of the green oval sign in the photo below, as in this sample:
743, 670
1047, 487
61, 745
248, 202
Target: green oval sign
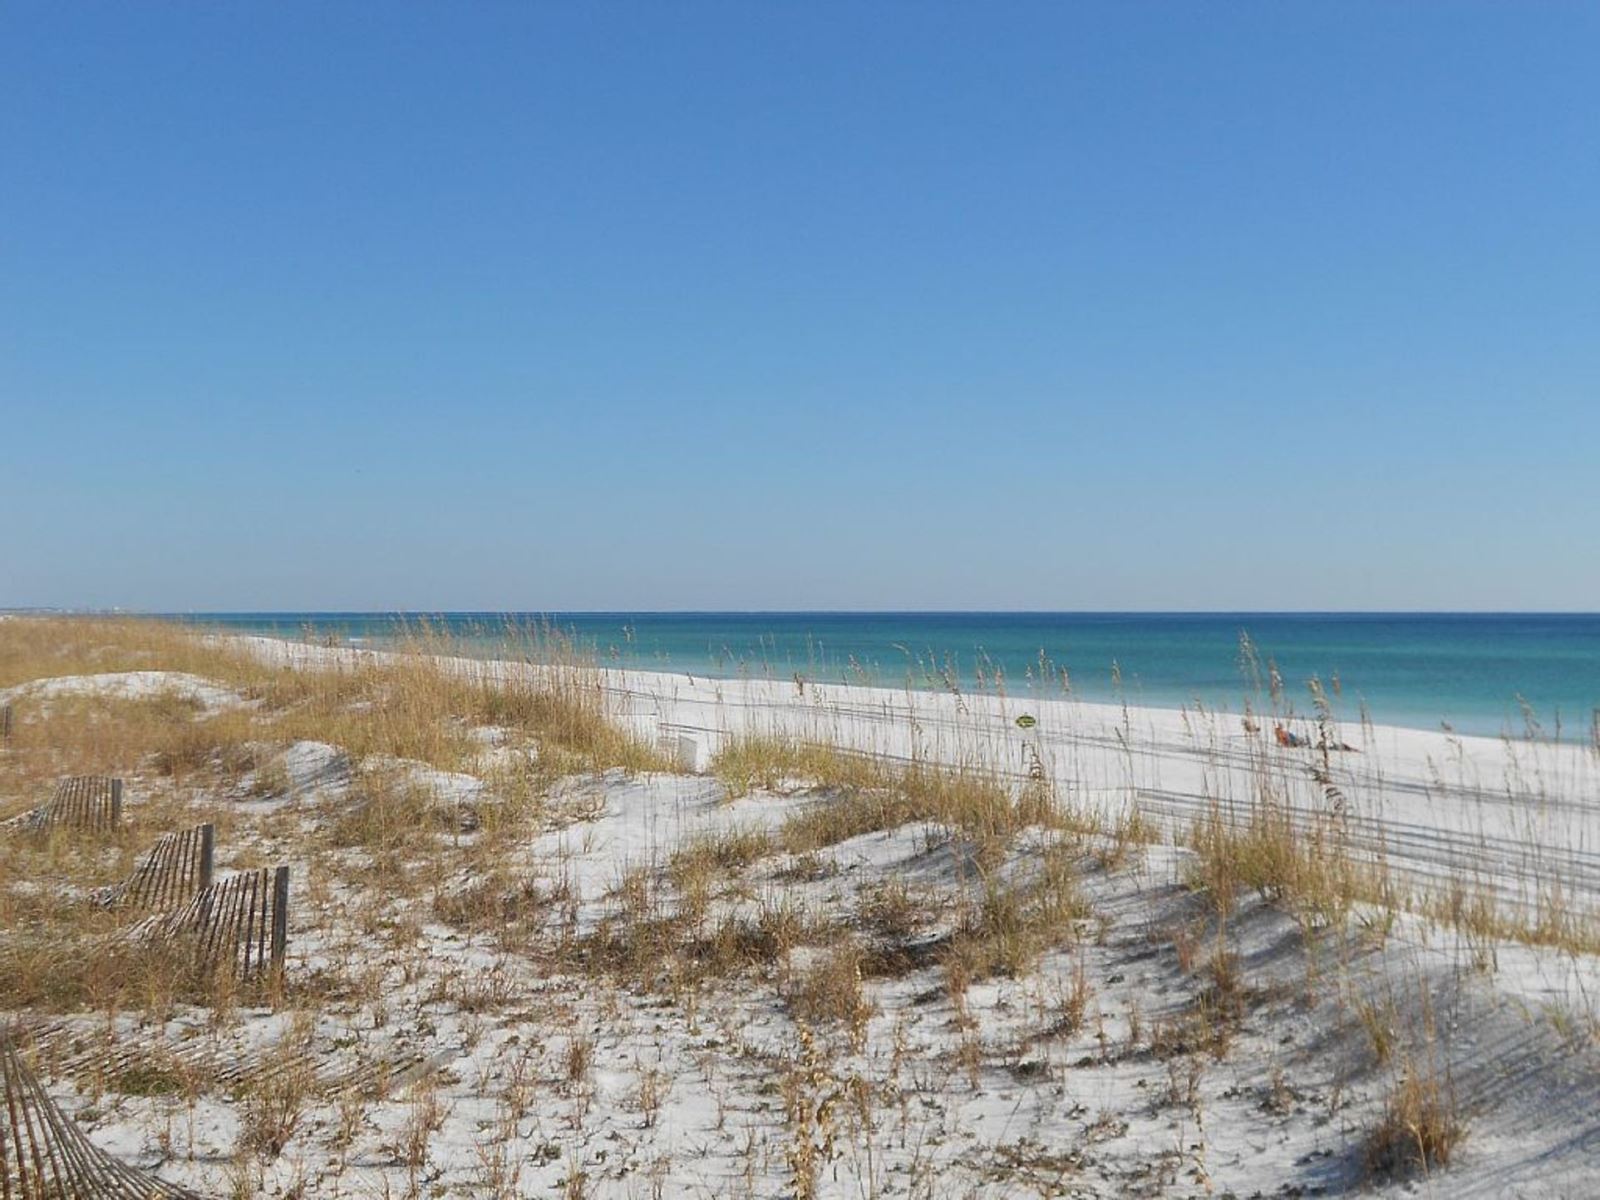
1026, 722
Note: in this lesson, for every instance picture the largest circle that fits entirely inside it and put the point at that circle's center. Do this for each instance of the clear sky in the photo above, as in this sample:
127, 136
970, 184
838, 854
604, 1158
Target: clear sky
770, 305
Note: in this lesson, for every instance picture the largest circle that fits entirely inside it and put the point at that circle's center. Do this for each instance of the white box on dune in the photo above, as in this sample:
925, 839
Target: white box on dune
682, 749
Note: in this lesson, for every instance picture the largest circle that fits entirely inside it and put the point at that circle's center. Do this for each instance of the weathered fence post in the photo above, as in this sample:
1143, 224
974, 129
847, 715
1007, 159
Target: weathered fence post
280, 916
208, 854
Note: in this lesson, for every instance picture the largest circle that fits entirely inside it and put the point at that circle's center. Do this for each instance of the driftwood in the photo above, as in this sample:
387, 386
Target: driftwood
176, 868
44, 1155
89, 802
241, 923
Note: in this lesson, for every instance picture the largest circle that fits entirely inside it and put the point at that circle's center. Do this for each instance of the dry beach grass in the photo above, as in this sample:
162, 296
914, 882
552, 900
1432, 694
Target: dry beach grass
532, 952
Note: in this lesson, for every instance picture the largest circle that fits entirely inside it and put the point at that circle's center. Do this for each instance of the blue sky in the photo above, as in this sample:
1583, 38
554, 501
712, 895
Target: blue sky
558, 306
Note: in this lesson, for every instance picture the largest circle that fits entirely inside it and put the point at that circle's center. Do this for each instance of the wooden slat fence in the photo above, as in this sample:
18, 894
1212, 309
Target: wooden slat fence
177, 867
44, 1155
99, 1056
86, 802
241, 922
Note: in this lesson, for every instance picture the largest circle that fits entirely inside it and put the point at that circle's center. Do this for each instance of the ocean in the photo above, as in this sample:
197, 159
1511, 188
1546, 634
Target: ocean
1476, 673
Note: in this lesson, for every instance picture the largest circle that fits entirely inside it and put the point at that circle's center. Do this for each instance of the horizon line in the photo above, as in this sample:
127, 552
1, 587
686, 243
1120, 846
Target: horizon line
799, 612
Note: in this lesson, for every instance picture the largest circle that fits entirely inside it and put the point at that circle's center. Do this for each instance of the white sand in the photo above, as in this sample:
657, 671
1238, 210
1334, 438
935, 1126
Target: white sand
1519, 817
1047, 1111
128, 685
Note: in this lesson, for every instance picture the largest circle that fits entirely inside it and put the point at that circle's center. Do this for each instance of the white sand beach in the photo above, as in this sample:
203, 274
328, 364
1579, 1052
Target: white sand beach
1148, 1049
1517, 816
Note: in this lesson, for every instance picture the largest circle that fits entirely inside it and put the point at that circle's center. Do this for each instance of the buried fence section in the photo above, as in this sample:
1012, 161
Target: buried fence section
178, 866
45, 1156
242, 922
91, 802
88, 802
101, 1055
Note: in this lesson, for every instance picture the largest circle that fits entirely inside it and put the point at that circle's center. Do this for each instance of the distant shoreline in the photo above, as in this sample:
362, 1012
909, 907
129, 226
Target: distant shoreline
1467, 671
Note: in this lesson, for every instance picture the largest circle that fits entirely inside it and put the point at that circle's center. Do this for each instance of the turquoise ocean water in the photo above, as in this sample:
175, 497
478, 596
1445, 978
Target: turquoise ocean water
1475, 672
